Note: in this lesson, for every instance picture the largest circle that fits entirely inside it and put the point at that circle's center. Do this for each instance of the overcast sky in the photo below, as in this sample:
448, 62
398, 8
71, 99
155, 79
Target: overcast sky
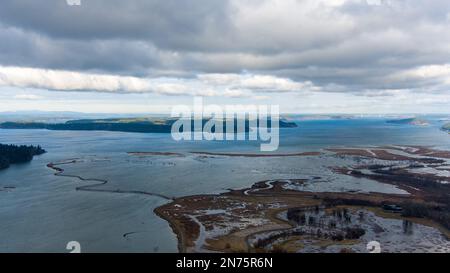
308, 56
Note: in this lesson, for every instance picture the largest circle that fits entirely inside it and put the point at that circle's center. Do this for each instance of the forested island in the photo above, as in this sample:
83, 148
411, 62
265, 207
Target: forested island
13, 154
409, 121
446, 127
136, 125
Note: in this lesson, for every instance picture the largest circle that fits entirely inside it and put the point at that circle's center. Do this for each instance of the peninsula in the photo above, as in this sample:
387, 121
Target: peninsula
12, 154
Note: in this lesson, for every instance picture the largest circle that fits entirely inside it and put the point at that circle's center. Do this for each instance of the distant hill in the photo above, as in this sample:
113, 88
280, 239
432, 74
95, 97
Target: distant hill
410, 121
12, 154
61, 117
137, 125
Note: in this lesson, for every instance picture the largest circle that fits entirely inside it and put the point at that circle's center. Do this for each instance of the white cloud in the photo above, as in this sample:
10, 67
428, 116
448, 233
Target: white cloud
69, 81
229, 85
426, 72
264, 83
27, 97
219, 79
271, 83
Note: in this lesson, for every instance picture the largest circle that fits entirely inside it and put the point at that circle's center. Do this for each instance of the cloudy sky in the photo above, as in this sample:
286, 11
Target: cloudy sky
308, 56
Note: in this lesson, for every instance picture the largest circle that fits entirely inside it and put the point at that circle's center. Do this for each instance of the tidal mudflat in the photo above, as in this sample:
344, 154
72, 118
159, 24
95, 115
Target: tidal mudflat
284, 216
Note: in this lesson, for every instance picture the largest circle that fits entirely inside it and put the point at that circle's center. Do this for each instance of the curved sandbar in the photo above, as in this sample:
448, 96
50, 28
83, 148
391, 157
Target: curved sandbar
100, 182
155, 154
258, 155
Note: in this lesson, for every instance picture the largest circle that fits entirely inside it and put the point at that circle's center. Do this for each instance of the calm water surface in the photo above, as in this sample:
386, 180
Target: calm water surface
43, 211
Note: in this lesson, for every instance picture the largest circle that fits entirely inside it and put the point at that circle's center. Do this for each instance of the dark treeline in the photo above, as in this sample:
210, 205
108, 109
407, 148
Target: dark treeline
12, 154
438, 212
131, 125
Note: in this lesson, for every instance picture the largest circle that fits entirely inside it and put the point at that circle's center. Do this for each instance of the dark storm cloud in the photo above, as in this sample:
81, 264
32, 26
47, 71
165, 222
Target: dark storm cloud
168, 24
342, 46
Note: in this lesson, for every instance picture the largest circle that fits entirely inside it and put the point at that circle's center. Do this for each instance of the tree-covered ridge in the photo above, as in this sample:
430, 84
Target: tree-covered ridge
137, 125
12, 154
